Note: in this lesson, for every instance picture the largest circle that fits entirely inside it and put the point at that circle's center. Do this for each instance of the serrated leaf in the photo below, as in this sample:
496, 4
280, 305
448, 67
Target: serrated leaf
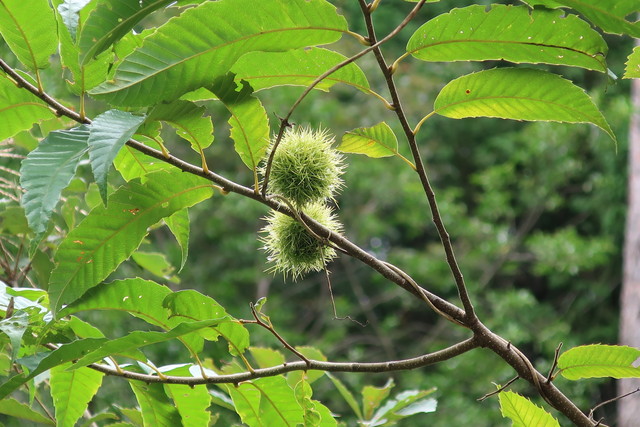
596, 361
138, 297
609, 16
138, 339
376, 141
39, 363
373, 396
156, 407
202, 44
523, 412
346, 395
192, 305
402, 406
15, 409
110, 21
19, 109
72, 391
108, 134
180, 226
519, 94
632, 71
513, 33
47, 170
266, 402
192, 402
133, 164
299, 67
109, 235
249, 123
189, 121
32, 44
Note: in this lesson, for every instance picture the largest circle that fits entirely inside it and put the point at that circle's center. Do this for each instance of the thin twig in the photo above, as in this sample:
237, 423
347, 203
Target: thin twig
499, 390
550, 376
606, 402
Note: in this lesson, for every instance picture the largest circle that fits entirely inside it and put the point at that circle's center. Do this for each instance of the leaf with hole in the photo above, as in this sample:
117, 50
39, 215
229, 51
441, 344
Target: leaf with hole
518, 94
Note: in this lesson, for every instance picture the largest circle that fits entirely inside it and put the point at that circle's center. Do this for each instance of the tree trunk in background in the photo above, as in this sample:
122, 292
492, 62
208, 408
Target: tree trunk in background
629, 408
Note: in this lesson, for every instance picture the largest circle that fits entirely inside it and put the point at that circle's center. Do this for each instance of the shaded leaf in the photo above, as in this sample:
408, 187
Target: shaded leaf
346, 395
32, 44
609, 16
192, 305
596, 361
138, 339
373, 396
14, 327
266, 402
376, 141
192, 402
180, 226
39, 363
632, 71
523, 412
299, 67
191, 50
520, 94
13, 408
109, 235
69, 11
405, 404
189, 121
47, 170
72, 391
108, 134
19, 109
157, 264
512, 33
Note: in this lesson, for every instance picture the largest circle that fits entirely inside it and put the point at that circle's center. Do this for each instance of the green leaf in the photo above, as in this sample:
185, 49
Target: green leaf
596, 361
523, 412
157, 409
347, 396
266, 402
191, 50
138, 297
47, 170
110, 21
13, 408
267, 357
373, 396
192, 305
299, 67
109, 235
632, 71
405, 404
69, 11
72, 391
138, 339
15, 327
192, 402
189, 121
180, 226
609, 16
512, 33
32, 44
108, 134
65, 353
309, 376
249, 122
133, 164
157, 264
19, 109
519, 94
376, 141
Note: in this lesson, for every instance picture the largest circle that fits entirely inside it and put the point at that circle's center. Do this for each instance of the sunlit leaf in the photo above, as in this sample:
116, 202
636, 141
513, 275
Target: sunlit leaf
14, 327
611, 17
155, 263
189, 121
596, 361
71, 392
373, 396
405, 404
110, 21
133, 164
266, 357
632, 71
107, 135
519, 94
523, 412
515, 34
109, 235
47, 170
375, 141
191, 50
69, 11
156, 407
192, 402
19, 109
299, 67
32, 44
